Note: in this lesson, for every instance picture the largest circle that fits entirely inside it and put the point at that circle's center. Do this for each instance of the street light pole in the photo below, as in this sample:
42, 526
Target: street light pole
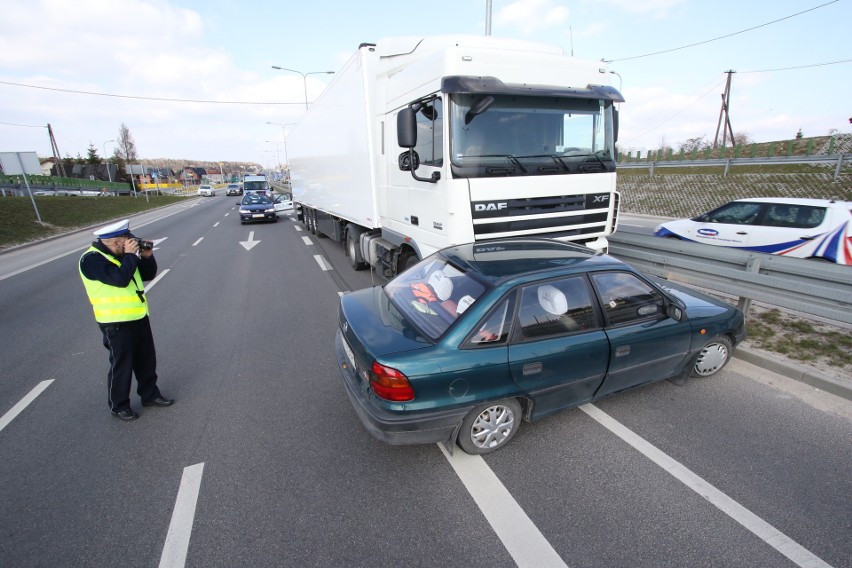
109, 173
304, 78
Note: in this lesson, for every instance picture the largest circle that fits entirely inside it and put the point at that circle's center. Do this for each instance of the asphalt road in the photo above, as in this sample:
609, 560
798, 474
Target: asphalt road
262, 461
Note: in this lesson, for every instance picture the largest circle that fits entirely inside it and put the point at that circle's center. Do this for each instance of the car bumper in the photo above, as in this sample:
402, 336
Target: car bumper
394, 427
249, 217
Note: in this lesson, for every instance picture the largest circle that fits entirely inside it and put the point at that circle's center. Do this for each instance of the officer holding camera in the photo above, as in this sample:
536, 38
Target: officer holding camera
113, 270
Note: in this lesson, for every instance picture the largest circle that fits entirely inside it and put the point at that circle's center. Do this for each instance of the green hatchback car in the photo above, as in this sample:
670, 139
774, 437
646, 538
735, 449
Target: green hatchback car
476, 338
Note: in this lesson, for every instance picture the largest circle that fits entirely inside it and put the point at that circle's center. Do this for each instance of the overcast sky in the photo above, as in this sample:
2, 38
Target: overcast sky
87, 66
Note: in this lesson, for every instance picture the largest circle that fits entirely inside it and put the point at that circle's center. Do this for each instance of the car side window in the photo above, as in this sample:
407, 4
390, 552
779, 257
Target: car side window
734, 213
625, 298
556, 307
793, 216
495, 328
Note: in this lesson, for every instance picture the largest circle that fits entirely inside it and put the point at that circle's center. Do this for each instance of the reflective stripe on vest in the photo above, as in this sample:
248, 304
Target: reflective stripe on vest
112, 304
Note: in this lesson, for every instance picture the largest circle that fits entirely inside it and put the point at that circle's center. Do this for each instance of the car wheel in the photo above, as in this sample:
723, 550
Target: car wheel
490, 426
712, 357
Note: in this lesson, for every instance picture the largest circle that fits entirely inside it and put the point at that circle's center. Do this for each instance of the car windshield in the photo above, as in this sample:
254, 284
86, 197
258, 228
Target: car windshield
255, 186
255, 199
433, 294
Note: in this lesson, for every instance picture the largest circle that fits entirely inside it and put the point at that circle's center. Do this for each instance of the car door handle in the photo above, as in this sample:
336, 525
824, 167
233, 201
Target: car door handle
532, 368
806, 238
622, 351
742, 233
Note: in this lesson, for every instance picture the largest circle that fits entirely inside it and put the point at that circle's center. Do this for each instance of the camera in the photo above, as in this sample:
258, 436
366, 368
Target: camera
144, 245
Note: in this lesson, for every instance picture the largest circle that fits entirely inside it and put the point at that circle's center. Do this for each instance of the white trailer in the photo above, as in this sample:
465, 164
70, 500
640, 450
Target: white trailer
506, 139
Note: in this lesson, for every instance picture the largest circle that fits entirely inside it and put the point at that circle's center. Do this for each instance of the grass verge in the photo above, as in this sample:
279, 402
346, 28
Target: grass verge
60, 214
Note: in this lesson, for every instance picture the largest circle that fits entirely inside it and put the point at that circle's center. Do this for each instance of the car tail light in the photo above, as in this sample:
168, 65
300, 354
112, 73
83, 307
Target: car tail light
390, 384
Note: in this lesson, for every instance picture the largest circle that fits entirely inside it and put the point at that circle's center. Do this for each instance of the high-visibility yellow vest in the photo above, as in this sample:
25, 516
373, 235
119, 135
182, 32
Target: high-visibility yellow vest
112, 304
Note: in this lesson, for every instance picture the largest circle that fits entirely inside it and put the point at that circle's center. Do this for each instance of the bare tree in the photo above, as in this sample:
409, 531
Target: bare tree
693, 144
126, 148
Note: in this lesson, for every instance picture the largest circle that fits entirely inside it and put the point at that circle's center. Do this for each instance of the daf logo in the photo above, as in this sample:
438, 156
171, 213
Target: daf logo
600, 198
490, 206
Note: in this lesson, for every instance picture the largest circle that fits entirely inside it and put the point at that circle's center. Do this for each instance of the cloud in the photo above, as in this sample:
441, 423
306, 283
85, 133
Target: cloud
530, 16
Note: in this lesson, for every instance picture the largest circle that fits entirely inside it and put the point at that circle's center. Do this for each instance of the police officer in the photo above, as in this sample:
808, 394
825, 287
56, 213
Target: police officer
113, 270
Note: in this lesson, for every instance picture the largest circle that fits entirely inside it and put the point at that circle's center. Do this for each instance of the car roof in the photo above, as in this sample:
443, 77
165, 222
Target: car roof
498, 260
794, 201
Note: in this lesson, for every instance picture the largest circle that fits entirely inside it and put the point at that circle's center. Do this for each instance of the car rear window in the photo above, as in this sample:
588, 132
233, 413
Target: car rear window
433, 294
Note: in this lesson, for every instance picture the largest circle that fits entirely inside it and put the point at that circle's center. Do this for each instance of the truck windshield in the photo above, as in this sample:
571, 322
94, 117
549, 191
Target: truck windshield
528, 135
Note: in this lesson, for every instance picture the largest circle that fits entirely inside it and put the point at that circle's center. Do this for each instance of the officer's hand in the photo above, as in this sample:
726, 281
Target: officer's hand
131, 246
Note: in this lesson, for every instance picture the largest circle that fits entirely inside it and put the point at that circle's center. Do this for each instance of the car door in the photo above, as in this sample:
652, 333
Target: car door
559, 352
645, 344
730, 225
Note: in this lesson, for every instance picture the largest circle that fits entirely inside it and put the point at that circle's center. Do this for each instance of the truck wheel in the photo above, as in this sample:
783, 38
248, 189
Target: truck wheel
490, 426
409, 260
353, 251
312, 227
712, 357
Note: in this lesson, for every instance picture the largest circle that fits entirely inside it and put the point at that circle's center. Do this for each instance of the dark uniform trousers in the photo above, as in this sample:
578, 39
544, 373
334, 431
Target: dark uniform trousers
131, 351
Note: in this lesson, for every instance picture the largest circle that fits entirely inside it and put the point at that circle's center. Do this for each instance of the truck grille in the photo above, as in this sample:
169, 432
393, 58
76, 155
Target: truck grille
553, 216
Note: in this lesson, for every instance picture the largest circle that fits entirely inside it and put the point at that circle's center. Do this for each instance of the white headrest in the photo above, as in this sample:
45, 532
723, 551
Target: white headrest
552, 300
442, 285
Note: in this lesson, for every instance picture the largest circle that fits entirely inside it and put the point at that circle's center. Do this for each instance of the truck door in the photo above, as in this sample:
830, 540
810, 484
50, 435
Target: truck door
421, 203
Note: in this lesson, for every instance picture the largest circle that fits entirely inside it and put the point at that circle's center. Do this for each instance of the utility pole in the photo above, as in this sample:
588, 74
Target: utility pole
60, 167
726, 127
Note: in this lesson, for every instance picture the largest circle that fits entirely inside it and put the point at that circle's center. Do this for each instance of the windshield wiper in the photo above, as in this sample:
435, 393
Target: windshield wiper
510, 157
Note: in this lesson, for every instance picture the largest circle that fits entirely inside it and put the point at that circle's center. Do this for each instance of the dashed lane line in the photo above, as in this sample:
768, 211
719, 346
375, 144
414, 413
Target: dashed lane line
23, 403
183, 516
517, 532
763, 530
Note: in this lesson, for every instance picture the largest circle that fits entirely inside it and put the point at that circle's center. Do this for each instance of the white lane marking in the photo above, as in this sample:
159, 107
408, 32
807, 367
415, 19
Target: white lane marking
198, 241
323, 264
516, 531
183, 515
23, 403
156, 279
216, 224
307, 241
766, 532
228, 213
298, 227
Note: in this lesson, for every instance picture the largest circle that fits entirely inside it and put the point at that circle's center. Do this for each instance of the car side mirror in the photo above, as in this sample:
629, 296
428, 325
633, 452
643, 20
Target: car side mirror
675, 312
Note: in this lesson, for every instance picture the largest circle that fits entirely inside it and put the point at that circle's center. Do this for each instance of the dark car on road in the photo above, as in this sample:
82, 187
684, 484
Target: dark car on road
476, 338
257, 207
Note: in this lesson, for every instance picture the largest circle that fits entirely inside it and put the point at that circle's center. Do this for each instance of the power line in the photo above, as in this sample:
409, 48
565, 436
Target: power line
23, 125
798, 66
662, 122
724, 36
165, 99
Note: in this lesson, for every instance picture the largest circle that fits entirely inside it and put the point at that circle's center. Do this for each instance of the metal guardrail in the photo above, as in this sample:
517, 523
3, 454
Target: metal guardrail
838, 159
807, 286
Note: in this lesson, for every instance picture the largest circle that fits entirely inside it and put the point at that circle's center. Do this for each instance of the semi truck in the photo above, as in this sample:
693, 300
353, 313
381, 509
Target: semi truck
420, 143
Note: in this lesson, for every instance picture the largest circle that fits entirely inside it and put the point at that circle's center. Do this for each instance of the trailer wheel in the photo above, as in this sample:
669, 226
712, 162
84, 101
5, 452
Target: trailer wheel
310, 221
353, 251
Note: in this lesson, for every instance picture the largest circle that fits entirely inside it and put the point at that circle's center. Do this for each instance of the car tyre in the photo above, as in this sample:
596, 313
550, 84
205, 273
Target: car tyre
712, 357
490, 426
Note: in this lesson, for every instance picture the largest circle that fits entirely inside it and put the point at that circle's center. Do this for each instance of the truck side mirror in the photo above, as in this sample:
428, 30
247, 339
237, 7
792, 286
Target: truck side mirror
406, 128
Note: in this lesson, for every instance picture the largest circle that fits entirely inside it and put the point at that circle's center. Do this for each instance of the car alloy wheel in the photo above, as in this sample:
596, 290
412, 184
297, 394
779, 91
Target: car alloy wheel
712, 357
490, 426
